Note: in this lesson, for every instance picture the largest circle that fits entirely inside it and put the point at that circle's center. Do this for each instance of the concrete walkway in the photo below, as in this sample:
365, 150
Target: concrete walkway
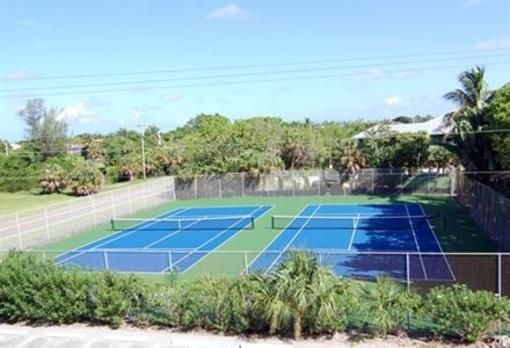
80, 336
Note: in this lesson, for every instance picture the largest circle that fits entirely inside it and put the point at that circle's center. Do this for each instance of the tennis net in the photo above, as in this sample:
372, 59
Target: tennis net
354, 222
185, 223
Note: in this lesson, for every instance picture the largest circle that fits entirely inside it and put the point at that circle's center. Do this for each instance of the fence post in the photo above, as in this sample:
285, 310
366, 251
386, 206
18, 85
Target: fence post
145, 195
401, 182
46, 223
174, 196
94, 212
129, 200
242, 184
500, 280
220, 187
113, 205
293, 183
428, 181
408, 272
246, 261
18, 227
195, 185
372, 181
170, 264
105, 257
319, 185
73, 222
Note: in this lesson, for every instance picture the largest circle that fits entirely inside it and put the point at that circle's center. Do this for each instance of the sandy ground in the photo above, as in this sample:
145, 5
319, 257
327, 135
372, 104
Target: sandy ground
81, 336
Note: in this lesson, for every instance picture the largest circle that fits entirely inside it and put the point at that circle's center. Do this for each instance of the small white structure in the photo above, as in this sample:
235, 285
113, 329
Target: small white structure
435, 127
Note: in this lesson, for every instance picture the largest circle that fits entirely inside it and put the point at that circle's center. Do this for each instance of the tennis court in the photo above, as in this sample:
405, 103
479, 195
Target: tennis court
361, 240
173, 241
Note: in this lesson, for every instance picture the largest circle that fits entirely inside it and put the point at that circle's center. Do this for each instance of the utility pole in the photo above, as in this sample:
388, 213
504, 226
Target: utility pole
142, 127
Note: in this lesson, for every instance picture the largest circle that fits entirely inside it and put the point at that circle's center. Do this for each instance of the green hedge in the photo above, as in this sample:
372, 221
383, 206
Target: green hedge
299, 298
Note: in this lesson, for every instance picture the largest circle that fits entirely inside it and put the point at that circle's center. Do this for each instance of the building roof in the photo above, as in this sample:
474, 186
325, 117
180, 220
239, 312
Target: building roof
435, 126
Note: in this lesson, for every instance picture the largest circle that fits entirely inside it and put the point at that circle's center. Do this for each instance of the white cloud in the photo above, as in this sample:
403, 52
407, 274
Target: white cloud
373, 74
173, 97
30, 23
77, 112
394, 100
229, 11
493, 44
472, 2
19, 75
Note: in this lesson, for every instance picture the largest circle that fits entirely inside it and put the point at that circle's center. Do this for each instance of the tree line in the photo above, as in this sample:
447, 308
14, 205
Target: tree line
214, 144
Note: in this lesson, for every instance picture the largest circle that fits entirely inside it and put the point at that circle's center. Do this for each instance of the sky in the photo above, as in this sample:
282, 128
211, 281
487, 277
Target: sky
122, 63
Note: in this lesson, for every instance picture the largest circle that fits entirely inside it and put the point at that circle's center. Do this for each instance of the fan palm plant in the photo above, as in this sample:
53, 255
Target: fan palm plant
297, 289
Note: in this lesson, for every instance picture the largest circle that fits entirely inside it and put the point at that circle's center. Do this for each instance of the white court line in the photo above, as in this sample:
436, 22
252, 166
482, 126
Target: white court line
356, 222
174, 233
229, 238
274, 239
176, 211
439, 244
208, 241
292, 240
416, 242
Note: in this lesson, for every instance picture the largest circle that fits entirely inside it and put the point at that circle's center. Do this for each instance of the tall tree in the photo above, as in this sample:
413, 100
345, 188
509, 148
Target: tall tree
470, 118
45, 130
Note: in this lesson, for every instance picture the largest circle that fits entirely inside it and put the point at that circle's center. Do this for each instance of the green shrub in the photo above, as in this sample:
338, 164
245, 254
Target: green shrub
39, 292
386, 306
53, 178
115, 298
470, 315
87, 179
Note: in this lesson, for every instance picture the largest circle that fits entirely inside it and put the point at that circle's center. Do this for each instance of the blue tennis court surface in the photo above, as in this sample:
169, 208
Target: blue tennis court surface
161, 245
362, 241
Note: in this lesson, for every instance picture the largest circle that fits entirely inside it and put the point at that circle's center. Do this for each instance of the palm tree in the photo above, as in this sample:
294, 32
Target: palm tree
471, 116
351, 157
298, 288
53, 179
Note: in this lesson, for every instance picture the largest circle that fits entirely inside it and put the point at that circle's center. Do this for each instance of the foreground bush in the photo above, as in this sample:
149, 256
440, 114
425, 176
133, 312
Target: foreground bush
468, 314
302, 295
386, 306
40, 292
299, 298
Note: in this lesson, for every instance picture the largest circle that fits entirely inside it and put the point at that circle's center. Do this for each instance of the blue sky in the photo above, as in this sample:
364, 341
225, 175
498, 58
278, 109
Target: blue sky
43, 38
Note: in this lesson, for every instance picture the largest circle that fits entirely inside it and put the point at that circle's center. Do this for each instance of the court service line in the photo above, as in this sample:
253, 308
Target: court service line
229, 238
438, 244
416, 242
274, 239
292, 240
208, 241
174, 212
356, 222
175, 232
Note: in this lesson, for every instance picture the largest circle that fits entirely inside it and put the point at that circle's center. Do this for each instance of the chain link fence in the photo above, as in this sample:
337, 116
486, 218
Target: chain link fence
489, 208
314, 182
35, 227
419, 271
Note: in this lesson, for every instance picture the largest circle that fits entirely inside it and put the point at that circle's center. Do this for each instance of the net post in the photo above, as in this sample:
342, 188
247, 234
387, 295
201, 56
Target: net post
252, 222
272, 222
18, 227
112, 224
105, 258
46, 224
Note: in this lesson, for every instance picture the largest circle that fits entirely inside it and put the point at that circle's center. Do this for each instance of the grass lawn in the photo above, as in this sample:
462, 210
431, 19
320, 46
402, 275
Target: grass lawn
460, 234
25, 200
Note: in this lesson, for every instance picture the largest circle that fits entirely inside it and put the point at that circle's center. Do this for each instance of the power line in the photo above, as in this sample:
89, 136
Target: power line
224, 83
224, 76
250, 66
